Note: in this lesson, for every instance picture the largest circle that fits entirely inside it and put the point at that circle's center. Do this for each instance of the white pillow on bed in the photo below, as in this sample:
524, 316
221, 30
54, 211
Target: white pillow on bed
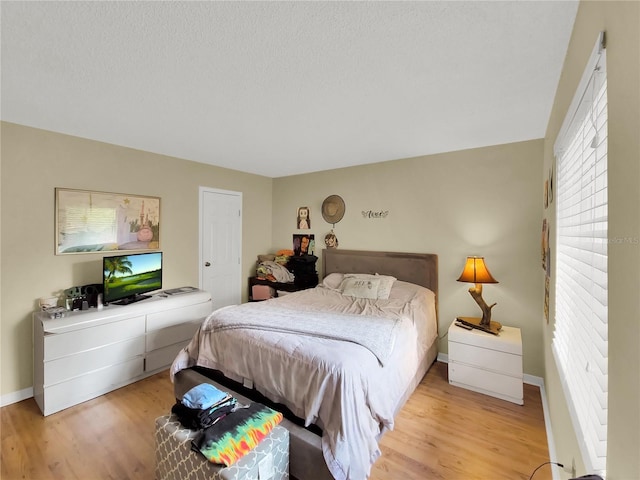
360, 287
333, 281
386, 282
406, 291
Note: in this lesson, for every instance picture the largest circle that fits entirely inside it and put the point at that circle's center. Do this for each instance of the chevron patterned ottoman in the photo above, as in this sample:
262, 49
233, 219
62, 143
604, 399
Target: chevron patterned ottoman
175, 460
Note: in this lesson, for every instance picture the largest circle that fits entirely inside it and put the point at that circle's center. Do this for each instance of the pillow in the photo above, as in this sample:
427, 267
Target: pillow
333, 281
386, 282
360, 287
406, 291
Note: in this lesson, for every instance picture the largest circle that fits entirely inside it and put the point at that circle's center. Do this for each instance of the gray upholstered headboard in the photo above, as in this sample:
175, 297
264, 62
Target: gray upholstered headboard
418, 268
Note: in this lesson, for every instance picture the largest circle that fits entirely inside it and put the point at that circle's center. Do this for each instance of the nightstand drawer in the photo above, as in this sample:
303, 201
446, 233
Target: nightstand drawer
485, 363
487, 382
493, 360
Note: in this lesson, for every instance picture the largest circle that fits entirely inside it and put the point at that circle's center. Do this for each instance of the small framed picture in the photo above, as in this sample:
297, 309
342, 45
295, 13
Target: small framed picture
303, 245
544, 244
303, 221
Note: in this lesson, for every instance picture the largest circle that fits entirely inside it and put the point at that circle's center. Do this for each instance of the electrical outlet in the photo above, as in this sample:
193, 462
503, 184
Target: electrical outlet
571, 469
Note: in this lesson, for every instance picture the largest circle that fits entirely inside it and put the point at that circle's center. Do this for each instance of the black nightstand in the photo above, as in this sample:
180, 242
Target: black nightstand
278, 286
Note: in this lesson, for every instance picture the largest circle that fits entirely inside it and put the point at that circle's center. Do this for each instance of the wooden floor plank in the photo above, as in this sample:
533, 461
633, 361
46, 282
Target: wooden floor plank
443, 432
453, 433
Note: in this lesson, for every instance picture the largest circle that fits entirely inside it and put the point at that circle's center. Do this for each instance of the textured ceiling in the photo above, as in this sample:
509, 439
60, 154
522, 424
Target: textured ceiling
281, 88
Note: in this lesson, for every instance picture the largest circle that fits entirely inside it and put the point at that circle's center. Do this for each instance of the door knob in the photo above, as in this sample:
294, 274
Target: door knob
207, 264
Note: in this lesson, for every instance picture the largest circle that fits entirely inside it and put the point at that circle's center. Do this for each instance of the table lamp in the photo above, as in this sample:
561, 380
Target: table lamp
475, 271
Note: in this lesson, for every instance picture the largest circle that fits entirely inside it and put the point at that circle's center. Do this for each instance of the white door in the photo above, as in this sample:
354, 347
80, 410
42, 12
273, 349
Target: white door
221, 245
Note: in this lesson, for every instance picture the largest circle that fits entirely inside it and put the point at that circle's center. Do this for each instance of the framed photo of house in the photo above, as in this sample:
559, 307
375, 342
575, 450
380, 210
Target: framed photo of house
89, 222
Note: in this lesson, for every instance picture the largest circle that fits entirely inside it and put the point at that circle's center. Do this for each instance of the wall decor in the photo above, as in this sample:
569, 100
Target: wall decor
544, 243
333, 209
546, 264
547, 281
375, 214
548, 189
88, 221
546, 193
304, 218
303, 245
330, 240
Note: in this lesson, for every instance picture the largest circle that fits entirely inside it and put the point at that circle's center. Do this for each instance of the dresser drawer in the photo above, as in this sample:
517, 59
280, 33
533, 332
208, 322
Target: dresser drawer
500, 362
85, 387
163, 357
485, 381
175, 316
170, 335
64, 344
86, 362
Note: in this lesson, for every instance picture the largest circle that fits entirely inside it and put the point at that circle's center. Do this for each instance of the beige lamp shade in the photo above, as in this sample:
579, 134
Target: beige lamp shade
475, 271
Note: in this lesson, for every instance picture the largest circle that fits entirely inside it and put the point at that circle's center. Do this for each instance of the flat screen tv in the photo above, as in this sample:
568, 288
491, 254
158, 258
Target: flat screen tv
126, 278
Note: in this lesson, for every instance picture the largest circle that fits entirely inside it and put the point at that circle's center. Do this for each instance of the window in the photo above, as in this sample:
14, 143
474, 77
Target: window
580, 334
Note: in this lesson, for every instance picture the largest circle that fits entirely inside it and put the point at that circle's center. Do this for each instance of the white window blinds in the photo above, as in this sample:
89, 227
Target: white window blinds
580, 335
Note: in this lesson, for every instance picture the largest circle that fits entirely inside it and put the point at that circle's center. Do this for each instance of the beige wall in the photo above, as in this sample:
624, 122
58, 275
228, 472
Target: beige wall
621, 21
484, 201
34, 162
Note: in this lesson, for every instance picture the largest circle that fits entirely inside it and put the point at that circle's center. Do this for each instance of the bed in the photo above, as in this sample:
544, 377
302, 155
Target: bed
342, 389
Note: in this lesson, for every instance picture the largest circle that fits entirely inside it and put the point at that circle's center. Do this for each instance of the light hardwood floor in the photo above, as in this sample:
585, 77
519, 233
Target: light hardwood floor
443, 432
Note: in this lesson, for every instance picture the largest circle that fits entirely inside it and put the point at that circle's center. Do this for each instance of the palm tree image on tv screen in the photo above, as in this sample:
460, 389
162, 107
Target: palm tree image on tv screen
128, 276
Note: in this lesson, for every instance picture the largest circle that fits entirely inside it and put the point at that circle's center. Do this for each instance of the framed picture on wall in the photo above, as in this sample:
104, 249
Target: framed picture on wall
89, 222
547, 281
303, 221
303, 244
544, 243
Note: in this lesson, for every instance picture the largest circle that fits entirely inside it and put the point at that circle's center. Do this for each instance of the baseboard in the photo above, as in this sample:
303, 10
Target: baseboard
533, 380
16, 397
555, 469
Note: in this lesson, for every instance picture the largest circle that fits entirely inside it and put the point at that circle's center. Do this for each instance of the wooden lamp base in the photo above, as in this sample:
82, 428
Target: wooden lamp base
474, 322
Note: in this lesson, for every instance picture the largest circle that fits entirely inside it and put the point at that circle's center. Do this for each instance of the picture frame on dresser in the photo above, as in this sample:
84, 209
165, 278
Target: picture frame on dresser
89, 221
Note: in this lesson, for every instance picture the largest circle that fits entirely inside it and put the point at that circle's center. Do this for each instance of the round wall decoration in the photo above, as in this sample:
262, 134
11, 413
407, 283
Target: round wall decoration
330, 240
333, 209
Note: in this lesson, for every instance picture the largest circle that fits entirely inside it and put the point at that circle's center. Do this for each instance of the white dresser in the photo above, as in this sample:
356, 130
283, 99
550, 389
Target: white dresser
89, 353
487, 363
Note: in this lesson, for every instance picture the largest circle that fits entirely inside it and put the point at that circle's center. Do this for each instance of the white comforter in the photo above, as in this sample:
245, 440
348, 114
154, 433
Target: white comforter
339, 385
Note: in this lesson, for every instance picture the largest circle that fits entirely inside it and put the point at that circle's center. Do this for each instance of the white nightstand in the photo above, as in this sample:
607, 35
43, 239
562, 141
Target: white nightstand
485, 363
